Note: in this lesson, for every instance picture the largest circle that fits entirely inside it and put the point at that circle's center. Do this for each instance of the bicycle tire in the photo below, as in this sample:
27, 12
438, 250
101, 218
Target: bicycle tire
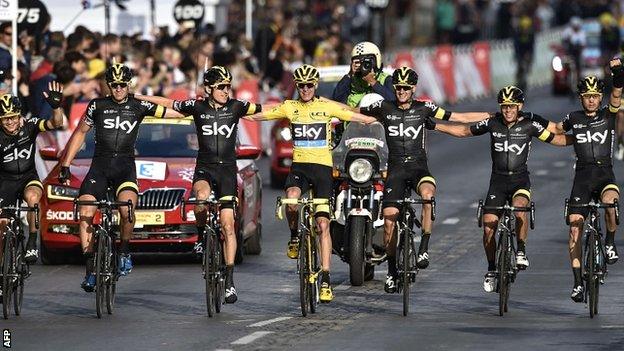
503, 281
406, 274
591, 278
111, 277
313, 290
100, 289
218, 268
7, 270
21, 270
208, 273
302, 262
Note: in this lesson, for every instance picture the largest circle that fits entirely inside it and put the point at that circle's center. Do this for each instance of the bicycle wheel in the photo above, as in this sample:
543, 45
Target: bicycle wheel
8, 269
22, 271
100, 271
219, 270
304, 273
314, 287
209, 275
406, 276
502, 267
111, 279
591, 285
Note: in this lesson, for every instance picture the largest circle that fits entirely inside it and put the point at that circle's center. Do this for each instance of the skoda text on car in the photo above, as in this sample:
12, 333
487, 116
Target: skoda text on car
165, 160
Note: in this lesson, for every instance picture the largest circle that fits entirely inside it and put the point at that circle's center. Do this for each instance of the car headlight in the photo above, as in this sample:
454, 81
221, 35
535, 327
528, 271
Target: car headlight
285, 134
60, 192
360, 170
556, 64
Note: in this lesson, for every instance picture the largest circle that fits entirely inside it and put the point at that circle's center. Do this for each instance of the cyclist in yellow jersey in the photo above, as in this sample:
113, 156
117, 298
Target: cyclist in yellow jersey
310, 121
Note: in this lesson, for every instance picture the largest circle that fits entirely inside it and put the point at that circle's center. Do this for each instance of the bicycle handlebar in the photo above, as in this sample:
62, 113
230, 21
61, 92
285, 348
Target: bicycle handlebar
17, 210
412, 201
592, 205
196, 202
113, 205
507, 207
280, 203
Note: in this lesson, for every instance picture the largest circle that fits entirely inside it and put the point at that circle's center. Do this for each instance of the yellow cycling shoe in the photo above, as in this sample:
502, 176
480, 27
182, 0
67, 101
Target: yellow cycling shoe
293, 248
326, 294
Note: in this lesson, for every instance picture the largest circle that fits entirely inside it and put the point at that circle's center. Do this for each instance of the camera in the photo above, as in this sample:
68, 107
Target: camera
367, 65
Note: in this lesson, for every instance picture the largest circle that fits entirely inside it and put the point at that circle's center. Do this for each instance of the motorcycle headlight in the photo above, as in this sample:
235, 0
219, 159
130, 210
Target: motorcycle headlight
60, 192
285, 134
360, 170
557, 64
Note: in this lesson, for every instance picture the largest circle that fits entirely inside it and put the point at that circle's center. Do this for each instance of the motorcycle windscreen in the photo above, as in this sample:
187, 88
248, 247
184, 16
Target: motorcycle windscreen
358, 136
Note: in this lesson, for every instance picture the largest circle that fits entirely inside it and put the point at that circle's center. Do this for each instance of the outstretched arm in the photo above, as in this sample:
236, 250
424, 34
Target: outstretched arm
468, 117
456, 130
358, 117
158, 100
562, 140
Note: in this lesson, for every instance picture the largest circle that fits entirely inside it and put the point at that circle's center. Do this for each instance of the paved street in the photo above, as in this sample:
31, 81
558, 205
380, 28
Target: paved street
161, 305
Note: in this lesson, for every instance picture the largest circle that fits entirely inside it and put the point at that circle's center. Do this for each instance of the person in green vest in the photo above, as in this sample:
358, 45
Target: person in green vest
365, 76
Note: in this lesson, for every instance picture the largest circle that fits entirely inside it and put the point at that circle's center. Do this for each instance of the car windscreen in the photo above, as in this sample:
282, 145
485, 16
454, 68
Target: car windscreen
178, 138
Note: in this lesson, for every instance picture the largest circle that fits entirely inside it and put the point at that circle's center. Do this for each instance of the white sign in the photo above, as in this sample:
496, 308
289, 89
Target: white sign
150, 170
8, 10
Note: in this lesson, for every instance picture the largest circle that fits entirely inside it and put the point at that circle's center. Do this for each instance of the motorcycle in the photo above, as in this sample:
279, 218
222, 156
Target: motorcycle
360, 164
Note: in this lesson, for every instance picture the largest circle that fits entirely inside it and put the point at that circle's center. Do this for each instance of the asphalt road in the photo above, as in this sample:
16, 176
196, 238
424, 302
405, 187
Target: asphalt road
160, 306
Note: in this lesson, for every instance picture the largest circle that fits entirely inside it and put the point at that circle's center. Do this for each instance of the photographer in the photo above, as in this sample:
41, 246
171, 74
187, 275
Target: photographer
366, 76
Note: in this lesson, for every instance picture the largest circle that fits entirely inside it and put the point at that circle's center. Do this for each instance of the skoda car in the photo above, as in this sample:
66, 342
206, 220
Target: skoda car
165, 160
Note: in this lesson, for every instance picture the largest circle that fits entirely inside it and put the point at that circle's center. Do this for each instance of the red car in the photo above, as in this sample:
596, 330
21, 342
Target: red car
165, 161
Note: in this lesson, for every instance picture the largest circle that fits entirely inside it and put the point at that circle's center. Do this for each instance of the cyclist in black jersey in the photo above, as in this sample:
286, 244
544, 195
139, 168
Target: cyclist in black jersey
593, 131
116, 120
216, 119
511, 132
405, 122
18, 175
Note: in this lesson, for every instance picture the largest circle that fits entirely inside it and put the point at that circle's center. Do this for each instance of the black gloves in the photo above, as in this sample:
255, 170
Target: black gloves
617, 72
64, 174
54, 98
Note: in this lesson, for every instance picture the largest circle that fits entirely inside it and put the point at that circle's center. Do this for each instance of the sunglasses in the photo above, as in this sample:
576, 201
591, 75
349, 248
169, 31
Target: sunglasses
222, 86
402, 87
305, 85
119, 85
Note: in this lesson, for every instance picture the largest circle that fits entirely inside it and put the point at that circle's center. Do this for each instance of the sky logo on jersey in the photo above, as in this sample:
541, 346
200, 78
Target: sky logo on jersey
117, 123
589, 137
309, 135
215, 129
508, 147
19, 154
400, 130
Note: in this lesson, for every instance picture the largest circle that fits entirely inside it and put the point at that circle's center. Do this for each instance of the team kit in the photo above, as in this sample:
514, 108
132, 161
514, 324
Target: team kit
116, 120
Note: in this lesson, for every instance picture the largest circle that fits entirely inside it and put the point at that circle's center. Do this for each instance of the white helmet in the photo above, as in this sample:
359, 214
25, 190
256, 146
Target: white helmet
367, 48
370, 99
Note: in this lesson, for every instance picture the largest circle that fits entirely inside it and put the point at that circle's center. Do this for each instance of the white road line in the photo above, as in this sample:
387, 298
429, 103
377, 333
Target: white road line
251, 338
541, 172
269, 321
613, 327
452, 220
224, 350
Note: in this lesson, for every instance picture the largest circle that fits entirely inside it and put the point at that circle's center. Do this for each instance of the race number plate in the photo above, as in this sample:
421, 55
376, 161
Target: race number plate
149, 218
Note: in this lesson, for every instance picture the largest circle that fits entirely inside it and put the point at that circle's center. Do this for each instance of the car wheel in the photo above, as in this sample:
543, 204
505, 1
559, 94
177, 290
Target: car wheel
50, 257
252, 245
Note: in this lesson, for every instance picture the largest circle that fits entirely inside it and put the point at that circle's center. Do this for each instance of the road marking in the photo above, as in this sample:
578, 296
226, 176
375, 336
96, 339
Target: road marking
613, 326
224, 350
541, 172
452, 220
251, 338
269, 321
560, 164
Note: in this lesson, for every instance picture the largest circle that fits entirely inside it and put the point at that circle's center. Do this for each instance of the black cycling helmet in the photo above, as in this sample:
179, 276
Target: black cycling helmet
10, 106
217, 75
306, 74
590, 85
118, 73
510, 95
404, 76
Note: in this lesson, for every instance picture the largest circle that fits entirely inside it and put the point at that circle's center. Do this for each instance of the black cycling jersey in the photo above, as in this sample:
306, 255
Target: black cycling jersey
217, 128
510, 145
405, 128
117, 124
18, 151
593, 136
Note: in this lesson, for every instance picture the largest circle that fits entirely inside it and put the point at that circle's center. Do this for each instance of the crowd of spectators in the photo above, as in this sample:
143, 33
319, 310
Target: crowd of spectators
287, 33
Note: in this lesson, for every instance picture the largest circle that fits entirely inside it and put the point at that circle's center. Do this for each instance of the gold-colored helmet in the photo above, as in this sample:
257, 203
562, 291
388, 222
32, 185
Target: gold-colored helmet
10, 106
118, 73
510, 95
306, 74
217, 75
404, 76
590, 85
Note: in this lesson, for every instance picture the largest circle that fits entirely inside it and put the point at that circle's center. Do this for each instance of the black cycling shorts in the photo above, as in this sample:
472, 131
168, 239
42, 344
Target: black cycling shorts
505, 187
221, 178
402, 175
590, 182
119, 173
315, 176
12, 189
